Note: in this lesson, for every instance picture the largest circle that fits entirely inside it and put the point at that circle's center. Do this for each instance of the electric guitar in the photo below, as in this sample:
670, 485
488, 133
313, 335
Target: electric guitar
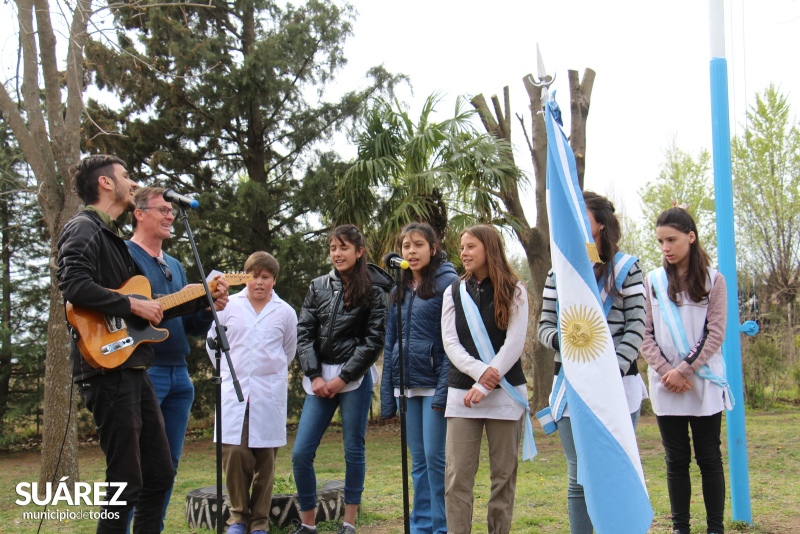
107, 342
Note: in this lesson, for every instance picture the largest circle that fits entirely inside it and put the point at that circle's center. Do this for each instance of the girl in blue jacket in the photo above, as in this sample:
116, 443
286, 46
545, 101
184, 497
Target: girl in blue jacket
425, 370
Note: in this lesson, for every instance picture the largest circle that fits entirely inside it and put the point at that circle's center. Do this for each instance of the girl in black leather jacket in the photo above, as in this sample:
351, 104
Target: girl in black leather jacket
340, 334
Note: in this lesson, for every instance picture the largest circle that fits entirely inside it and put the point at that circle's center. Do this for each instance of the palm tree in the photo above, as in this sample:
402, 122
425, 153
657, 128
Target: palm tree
444, 173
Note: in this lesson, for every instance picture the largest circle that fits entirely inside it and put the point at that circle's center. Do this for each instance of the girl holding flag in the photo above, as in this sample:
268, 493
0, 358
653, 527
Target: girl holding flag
620, 284
484, 325
685, 327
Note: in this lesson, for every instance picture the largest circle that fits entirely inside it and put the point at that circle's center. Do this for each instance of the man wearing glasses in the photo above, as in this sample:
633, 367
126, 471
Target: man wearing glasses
152, 224
92, 260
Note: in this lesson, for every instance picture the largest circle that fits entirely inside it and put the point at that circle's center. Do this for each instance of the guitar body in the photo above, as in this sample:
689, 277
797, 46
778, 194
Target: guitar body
107, 342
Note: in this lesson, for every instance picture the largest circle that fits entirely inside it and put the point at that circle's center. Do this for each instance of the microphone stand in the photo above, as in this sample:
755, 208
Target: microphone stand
219, 344
398, 272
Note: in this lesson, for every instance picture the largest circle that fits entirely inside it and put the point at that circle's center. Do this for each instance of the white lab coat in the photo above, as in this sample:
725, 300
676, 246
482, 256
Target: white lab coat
262, 346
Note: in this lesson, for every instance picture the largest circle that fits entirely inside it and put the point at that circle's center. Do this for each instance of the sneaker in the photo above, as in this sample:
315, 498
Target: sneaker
237, 528
346, 529
302, 529
259, 531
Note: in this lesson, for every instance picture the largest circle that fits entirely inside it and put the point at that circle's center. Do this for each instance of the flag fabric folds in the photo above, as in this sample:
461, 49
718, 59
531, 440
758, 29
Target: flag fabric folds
609, 467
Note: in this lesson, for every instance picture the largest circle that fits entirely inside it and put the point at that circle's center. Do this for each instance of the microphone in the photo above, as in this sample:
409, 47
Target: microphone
182, 201
393, 260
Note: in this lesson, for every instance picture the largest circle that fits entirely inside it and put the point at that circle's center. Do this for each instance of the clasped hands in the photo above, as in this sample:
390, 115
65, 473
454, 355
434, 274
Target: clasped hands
489, 380
675, 382
327, 389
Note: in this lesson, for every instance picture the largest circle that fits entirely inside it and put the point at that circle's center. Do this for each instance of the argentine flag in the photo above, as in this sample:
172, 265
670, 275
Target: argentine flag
609, 468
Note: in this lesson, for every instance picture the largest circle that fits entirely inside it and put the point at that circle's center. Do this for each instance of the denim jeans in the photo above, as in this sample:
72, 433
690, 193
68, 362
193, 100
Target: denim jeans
314, 421
131, 431
175, 393
426, 430
579, 521
678, 452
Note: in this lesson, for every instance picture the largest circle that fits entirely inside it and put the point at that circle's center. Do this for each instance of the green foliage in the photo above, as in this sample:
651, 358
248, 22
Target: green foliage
765, 370
24, 295
766, 178
231, 99
796, 378
685, 179
443, 173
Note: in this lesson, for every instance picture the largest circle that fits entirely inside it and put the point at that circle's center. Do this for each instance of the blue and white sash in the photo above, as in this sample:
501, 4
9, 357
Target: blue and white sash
669, 312
622, 266
487, 354
623, 263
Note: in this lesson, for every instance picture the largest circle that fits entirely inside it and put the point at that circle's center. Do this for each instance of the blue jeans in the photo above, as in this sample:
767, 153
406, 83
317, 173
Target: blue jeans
314, 421
579, 521
175, 393
426, 430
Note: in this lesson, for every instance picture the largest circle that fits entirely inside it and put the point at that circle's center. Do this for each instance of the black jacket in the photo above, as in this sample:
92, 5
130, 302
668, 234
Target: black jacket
327, 333
92, 258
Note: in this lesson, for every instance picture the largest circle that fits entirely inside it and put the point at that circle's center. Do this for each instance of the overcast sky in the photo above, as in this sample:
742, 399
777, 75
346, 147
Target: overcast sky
651, 59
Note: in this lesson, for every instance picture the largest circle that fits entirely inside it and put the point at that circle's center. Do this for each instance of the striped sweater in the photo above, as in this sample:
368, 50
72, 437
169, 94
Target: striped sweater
626, 320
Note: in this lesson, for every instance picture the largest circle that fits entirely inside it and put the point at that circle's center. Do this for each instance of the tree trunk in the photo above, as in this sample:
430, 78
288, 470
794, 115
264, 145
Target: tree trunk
536, 240
580, 96
49, 137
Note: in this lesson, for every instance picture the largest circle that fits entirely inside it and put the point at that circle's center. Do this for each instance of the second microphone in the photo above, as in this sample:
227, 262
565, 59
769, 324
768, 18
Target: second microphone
393, 260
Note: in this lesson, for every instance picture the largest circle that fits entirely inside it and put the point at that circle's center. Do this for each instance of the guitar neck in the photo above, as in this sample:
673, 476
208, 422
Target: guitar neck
185, 295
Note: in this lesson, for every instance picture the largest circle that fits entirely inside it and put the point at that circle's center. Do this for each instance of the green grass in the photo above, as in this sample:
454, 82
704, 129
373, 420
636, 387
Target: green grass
774, 457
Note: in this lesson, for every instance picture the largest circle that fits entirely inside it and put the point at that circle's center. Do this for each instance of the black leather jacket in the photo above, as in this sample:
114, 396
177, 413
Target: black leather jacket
327, 333
92, 258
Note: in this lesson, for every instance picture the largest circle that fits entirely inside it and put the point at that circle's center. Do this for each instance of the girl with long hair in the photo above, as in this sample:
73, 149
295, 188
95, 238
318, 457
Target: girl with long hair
685, 326
620, 283
425, 369
489, 294
340, 333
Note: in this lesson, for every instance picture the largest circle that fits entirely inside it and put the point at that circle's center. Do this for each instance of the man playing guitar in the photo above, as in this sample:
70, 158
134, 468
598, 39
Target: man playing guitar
92, 256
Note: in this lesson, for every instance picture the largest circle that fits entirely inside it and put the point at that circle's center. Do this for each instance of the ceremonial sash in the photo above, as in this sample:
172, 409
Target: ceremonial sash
671, 317
485, 350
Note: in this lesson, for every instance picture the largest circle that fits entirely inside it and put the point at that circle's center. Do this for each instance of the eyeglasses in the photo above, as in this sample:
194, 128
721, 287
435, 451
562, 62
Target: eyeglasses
163, 210
164, 268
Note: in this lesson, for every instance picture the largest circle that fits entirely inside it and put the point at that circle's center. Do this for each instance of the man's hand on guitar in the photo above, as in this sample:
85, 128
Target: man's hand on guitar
220, 294
147, 309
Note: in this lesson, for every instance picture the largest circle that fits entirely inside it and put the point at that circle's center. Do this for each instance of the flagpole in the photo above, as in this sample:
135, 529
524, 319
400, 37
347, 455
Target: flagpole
726, 247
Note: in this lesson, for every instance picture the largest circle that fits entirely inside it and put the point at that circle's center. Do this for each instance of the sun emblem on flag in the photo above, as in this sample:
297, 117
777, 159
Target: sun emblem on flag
582, 330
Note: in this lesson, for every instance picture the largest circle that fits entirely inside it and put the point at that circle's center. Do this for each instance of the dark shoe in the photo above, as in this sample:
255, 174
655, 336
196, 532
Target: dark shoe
302, 529
346, 530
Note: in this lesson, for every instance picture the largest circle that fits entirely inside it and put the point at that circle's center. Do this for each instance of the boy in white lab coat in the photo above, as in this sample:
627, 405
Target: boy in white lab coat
262, 331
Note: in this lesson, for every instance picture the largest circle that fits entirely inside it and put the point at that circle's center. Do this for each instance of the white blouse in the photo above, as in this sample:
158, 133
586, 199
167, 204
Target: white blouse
498, 404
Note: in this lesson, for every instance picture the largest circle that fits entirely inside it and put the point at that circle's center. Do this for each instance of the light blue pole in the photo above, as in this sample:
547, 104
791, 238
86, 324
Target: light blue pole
726, 248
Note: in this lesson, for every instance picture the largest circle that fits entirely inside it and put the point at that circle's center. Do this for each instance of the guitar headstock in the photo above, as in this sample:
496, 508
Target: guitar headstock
236, 279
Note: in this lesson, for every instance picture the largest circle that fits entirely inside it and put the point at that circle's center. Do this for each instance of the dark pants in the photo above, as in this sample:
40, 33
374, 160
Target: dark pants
706, 438
131, 431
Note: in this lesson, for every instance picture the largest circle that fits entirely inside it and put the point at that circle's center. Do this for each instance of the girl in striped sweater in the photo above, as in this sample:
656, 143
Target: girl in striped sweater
620, 282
